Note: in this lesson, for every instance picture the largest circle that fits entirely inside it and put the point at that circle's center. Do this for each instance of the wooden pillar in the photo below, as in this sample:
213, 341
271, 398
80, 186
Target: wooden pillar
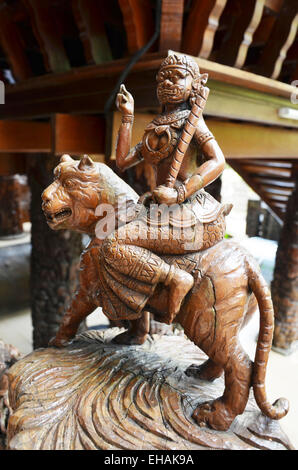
54, 258
14, 204
285, 282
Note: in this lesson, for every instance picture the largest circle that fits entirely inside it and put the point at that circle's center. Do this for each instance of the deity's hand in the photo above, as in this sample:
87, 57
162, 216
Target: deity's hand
125, 102
164, 195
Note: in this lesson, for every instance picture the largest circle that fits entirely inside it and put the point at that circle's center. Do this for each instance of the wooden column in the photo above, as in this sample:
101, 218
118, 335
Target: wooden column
54, 259
285, 282
14, 204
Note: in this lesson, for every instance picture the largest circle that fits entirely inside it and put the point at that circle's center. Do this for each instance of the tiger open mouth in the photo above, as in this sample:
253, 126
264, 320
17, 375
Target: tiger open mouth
59, 216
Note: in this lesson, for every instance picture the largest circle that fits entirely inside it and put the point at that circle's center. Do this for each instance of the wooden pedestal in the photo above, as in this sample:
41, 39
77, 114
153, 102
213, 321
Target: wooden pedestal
97, 395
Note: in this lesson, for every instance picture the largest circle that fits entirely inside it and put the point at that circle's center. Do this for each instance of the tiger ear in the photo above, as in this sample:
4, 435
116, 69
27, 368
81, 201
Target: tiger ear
86, 163
66, 158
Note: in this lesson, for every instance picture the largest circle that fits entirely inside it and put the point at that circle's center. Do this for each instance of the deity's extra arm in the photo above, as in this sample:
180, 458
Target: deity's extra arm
125, 156
214, 165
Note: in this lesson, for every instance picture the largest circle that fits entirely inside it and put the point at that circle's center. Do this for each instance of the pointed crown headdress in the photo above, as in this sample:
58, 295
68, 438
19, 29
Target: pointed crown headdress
180, 61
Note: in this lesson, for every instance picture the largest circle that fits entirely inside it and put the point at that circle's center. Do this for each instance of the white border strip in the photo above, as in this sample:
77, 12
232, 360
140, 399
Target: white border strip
2, 93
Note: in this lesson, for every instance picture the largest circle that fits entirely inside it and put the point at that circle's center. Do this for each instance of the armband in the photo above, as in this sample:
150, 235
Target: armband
203, 138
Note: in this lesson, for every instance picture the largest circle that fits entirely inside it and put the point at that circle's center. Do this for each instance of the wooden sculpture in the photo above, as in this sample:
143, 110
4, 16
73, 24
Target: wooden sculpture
97, 395
165, 254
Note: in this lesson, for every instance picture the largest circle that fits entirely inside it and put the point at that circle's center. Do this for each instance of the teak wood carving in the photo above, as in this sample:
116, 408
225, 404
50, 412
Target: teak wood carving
164, 253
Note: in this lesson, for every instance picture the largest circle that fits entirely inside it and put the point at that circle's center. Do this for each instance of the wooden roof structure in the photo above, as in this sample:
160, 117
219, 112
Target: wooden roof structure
61, 59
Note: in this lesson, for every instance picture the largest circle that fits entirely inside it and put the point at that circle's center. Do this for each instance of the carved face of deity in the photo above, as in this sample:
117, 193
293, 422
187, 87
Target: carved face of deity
174, 85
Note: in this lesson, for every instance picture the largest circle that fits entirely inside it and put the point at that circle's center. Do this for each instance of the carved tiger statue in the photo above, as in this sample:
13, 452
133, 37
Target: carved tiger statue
227, 280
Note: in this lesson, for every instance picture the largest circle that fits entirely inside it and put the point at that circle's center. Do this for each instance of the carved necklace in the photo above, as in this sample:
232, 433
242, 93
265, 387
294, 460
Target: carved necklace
166, 126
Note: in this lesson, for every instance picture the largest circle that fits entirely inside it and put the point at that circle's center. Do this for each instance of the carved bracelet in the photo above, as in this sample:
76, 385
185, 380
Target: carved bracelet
181, 190
127, 118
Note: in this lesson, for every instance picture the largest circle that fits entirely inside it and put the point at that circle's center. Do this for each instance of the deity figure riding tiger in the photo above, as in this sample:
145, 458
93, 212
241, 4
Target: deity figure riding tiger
196, 278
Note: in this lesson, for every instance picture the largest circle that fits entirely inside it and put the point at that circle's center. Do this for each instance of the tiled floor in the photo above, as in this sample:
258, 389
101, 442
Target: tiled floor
282, 372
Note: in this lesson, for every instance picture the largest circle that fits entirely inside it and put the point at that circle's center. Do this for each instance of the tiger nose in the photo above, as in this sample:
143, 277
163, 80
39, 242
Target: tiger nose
47, 194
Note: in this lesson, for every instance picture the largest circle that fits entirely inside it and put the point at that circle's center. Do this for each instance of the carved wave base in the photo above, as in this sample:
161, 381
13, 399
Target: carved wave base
97, 395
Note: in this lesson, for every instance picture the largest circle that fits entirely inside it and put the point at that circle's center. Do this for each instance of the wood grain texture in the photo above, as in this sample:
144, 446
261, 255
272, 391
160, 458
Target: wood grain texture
98, 395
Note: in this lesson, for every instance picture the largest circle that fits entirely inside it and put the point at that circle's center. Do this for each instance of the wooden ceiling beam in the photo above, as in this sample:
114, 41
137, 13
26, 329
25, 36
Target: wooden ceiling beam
201, 26
12, 44
89, 16
78, 135
48, 36
264, 170
281, 38
171, 25
138, 22
62, 134
86, 90
234, 48
276, 191
276, 183
25, 137
236, 165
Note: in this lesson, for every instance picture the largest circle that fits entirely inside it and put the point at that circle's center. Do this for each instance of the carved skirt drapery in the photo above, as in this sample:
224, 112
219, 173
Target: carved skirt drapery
131, 257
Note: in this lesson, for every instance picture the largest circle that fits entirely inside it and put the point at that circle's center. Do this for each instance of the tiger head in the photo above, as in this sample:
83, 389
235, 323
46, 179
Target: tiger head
78, 189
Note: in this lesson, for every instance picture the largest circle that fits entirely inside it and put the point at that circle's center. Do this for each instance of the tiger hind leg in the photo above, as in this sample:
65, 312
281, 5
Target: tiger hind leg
220, 413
